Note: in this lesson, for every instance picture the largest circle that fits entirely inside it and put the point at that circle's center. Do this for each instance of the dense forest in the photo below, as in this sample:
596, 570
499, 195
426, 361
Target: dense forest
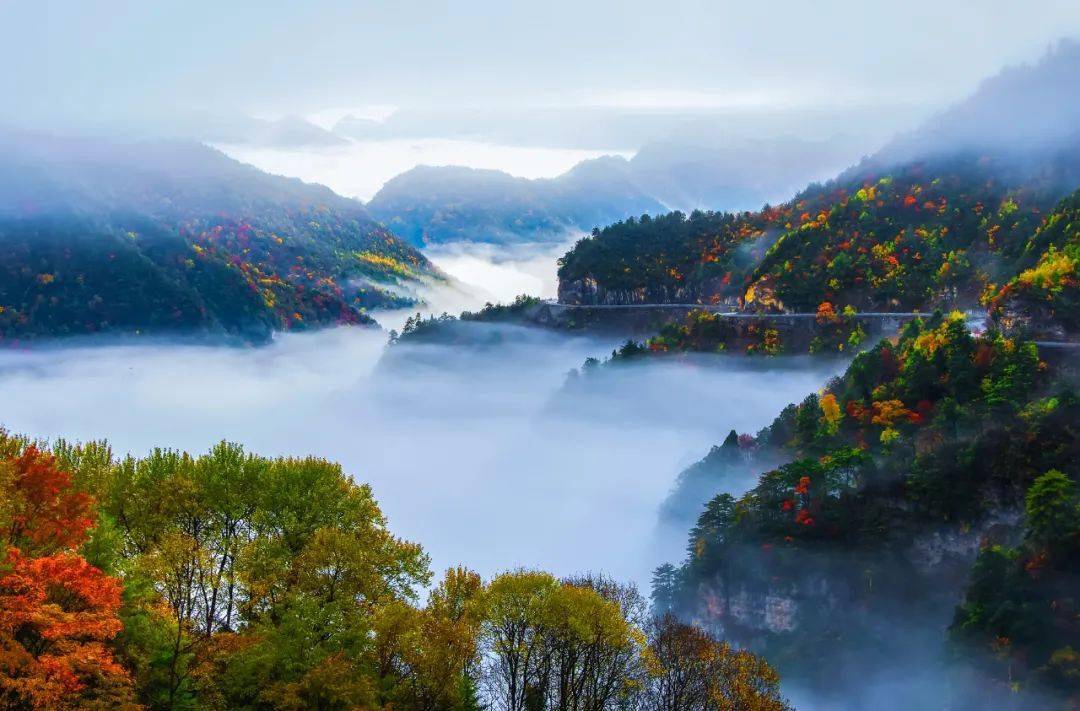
165, 237
933, 485
671, 257
918, 236
229, 580
1039, 298
1043, 298
935, 219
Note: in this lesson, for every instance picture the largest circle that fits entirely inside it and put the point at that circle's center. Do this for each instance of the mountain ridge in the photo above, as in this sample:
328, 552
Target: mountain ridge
436, 204
173, 236
891, 232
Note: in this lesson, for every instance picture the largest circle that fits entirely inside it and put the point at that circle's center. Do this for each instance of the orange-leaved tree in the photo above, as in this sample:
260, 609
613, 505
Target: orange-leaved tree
58, 613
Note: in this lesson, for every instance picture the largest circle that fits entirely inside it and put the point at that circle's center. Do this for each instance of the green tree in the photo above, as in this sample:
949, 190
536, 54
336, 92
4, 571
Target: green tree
1052, 510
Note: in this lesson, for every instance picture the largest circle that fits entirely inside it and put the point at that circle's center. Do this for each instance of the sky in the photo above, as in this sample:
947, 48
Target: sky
131, 57
527, 88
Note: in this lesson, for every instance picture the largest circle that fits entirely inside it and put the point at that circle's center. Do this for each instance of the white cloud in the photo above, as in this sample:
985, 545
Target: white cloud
461, 445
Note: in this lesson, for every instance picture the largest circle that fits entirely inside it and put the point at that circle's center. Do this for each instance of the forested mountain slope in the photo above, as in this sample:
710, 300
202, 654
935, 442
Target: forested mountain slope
933, 485
1043, 299
902, 230
924, 234
112, 236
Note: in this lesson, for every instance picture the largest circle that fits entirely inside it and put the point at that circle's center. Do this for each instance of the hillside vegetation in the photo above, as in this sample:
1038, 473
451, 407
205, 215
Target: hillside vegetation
938, 218
1043, 298
233, 581
922, 235
935, 481
110, 237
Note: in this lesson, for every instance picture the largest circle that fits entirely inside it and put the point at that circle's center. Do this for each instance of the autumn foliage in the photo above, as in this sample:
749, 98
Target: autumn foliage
228, 580
58, 613
938, 429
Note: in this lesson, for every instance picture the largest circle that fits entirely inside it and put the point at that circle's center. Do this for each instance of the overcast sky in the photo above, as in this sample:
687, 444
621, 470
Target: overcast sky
97, 57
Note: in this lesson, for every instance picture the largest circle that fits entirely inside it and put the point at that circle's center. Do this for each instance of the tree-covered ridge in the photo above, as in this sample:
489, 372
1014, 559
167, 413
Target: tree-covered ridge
919, 236
923, 234
70, 276
923, 450
233, 581
444, 327
1043, 298
118, 237
928, 221
1020, 607
701, 258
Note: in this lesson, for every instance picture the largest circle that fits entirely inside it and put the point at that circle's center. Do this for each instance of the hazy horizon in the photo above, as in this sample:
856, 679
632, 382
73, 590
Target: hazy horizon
122, 58
527, 90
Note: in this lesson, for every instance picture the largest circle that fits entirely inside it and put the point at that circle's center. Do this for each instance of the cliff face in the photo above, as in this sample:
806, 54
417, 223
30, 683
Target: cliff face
589, 292
842, 622
836, 587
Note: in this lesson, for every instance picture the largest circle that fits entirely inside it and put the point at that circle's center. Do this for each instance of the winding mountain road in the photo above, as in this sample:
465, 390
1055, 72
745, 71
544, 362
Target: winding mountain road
723, 311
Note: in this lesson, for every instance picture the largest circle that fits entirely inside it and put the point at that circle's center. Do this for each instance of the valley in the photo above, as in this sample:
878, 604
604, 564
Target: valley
483, 432
543, 391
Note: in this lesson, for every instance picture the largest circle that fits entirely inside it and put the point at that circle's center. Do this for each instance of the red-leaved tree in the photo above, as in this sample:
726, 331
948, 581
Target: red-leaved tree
58, 613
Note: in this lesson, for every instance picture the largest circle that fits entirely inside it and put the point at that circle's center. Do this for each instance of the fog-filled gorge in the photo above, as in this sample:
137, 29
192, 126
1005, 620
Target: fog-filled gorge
553, 356
463, 447
495, 273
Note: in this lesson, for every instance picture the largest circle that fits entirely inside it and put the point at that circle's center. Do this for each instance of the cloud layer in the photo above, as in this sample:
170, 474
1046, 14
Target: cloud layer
462, 445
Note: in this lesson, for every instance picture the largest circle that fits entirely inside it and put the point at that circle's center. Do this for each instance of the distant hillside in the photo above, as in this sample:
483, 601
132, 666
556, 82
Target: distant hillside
430, 205
895, 232
109, 236
292, 132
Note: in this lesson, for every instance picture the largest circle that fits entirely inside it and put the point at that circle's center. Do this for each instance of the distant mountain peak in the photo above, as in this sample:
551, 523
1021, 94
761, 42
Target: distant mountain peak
295, 131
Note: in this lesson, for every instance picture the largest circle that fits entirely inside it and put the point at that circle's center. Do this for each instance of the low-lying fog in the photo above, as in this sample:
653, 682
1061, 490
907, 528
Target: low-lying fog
484, 273
461, 444
503, 271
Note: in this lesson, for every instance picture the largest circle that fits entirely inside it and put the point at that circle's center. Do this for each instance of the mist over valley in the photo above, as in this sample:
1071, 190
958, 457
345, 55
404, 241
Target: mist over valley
567, 356
473, 429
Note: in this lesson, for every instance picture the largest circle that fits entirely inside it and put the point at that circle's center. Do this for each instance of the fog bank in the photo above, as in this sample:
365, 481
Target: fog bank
504, 271
463, 450
479, 274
